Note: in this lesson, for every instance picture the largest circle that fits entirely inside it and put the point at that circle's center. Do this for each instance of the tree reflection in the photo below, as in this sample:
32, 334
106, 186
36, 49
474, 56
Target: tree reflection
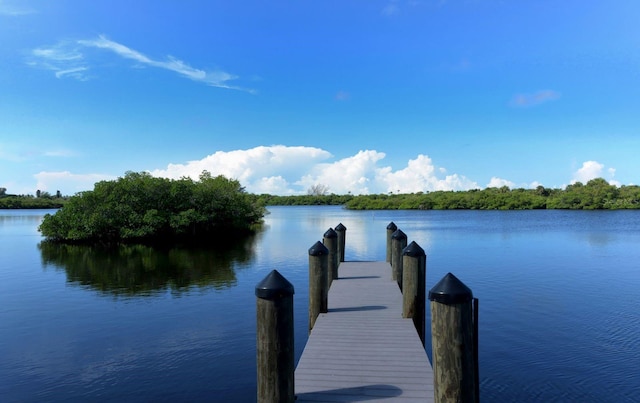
141, 270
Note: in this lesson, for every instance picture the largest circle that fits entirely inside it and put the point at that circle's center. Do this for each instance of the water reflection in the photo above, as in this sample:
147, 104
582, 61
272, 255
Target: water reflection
140, 270
14, 219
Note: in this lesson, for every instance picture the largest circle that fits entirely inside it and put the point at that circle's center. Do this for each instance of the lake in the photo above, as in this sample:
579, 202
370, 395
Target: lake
559, 295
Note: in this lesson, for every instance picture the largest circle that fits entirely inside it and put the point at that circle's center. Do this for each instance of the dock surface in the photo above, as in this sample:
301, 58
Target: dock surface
362, 349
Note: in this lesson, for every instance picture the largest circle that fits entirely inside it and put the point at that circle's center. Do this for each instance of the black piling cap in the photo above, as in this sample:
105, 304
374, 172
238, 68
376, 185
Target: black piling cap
274, 286
399, 235
392, 226
330, 233
340, 228
413, 250
318, 249
450, 290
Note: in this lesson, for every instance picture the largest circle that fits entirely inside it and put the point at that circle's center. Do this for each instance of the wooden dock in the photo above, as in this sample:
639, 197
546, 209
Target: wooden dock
362, 349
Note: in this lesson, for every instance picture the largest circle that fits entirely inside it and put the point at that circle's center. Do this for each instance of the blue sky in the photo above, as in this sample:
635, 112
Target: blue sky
360, 96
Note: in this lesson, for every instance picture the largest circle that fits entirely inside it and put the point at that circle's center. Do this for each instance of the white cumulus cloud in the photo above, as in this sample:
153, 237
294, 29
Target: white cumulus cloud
283, 170
354, 174
588, 171
255, 168
272, 185
420, 175
591, 170
496, 182
292, 170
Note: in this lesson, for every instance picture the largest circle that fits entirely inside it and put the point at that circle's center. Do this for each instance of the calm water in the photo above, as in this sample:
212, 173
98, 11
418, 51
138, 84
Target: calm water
559, 304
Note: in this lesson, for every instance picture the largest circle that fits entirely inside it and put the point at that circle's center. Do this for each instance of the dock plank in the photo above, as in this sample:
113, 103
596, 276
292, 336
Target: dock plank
362, 349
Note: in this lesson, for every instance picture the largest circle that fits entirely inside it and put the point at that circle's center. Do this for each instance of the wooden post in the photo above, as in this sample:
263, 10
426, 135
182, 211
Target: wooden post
391, 228
318, 281
398, 243
414, 262
341, 230
452, 344
330, 240
274, 337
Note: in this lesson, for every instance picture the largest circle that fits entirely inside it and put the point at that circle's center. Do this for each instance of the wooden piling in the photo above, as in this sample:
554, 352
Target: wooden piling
274, 338
391, 228
341, 230
452, 343
330, 240
398, 243
413, 286
318, 281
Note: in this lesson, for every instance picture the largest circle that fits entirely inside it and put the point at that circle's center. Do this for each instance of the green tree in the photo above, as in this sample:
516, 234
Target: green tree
139, 207
318, 189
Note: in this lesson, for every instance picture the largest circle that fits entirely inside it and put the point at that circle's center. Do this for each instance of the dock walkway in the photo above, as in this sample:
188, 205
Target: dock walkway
362, 349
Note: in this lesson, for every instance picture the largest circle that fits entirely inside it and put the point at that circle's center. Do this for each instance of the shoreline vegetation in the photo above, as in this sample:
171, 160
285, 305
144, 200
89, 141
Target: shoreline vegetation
17, 202
140, 208
41, 200
596, 194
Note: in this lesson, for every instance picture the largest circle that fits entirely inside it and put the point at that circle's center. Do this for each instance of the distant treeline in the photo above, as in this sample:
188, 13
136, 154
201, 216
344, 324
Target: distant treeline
304, 200
31, 202
595, 195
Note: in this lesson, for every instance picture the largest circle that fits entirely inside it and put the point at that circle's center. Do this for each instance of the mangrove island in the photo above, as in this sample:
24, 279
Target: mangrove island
140, 208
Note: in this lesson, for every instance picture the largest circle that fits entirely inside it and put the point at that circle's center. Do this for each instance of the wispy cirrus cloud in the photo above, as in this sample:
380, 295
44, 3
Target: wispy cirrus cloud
60, 153
65, 59
25, 152
536, 98
13, 10
64, 51
78, 73
69, 59
10, 155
